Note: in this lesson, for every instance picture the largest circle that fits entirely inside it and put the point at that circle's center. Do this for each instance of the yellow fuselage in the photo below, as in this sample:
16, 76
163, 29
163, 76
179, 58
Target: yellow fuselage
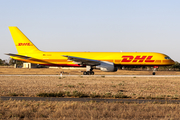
118, 58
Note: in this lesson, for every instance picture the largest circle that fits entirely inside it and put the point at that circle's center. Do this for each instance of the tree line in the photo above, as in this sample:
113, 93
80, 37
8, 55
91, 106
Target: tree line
3, 62
10, 62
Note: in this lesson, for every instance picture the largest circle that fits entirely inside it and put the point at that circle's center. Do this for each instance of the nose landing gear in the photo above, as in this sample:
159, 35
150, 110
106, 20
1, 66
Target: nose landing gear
154, 70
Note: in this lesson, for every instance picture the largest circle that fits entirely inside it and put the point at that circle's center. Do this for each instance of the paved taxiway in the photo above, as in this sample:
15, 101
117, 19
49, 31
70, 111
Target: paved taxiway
86, 99
100, 75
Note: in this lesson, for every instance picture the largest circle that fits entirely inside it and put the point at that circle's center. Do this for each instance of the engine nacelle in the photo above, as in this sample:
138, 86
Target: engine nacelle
107, 67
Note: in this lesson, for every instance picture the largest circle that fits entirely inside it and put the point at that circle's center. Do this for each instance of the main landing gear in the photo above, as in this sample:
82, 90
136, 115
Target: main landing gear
88, 71
154, 70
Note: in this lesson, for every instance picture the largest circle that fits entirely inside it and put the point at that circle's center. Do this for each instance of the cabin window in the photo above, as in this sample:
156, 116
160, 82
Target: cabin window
167, 58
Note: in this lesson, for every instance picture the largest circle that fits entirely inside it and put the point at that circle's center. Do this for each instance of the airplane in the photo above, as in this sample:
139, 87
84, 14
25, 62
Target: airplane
105, 61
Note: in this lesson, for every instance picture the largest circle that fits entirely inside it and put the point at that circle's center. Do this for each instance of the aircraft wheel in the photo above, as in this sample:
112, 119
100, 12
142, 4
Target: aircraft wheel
153, 73
88, 73
84, 73
91, 73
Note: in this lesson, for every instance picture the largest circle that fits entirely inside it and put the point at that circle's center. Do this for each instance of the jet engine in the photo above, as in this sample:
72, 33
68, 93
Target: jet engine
107, 67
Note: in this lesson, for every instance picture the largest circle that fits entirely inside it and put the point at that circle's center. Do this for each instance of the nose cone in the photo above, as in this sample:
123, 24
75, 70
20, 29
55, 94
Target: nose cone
171, 62
167, 60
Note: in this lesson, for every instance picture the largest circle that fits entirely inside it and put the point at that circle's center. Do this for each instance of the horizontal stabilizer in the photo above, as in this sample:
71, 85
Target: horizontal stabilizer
31, 59
16, 55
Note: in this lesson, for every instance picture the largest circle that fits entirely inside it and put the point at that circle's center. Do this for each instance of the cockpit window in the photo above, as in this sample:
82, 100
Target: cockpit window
167, 58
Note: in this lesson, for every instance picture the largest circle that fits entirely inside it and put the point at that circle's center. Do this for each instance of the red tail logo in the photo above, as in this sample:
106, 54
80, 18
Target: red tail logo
24, 44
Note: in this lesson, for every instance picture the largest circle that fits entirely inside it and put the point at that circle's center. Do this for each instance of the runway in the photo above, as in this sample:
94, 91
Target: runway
100, 75
88, 99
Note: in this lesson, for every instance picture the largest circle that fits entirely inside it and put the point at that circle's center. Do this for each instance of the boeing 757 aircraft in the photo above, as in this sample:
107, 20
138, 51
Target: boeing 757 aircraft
105, 61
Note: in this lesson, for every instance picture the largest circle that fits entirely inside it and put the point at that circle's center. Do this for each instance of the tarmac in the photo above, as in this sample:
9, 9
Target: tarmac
89, 99
100, 75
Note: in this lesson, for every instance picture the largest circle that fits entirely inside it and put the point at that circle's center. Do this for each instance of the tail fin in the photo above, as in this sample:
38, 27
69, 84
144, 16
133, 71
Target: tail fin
22, 43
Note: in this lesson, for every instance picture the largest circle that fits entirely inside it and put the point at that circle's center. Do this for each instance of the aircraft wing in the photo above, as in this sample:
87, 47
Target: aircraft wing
29, 58
83, 61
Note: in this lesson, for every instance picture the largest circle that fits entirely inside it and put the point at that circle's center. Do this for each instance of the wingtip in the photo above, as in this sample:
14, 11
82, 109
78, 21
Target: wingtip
7, 53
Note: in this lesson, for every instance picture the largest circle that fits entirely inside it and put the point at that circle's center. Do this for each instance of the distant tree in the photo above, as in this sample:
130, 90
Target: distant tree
176, 66
17, 62
12, 61
4, 62
1, 62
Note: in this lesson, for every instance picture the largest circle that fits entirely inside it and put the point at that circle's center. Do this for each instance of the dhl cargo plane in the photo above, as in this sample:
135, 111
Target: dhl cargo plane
105, 61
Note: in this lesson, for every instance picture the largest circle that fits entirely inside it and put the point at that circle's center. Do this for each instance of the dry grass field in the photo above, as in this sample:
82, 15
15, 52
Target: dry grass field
134, 87
41, 110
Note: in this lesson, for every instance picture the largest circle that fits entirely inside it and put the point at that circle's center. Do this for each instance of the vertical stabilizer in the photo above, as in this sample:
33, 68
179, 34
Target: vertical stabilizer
22, 43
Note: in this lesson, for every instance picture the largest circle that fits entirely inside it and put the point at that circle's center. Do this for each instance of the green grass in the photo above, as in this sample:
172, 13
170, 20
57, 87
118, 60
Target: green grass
59, 85
15, 94
82, 94
71, 86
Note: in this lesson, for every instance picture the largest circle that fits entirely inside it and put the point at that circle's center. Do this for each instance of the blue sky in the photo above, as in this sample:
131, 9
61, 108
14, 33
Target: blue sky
93, 25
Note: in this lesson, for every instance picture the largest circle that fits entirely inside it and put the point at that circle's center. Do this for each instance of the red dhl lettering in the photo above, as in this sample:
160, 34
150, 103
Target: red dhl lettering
23, 44
127, 58
137, 59
149, 59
